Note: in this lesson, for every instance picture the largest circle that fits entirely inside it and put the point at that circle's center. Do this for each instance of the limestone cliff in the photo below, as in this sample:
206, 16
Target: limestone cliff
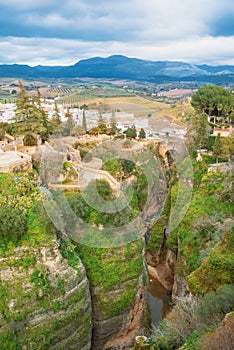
45, 303
118, 288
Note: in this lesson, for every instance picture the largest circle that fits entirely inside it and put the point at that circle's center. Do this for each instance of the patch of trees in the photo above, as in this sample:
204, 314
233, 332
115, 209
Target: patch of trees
16, 198
93, 216
137, 193
214, 101
119, 168
31, 120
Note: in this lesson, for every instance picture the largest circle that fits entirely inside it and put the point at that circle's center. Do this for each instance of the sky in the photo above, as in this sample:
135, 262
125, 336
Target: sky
56, 32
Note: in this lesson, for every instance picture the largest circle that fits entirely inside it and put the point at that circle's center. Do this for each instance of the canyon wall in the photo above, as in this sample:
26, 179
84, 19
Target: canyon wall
45, 303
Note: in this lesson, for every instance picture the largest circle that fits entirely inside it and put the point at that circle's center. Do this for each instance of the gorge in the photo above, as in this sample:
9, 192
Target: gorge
57, 293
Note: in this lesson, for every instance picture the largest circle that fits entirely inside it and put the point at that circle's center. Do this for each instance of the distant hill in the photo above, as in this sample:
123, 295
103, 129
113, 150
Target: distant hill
122, 67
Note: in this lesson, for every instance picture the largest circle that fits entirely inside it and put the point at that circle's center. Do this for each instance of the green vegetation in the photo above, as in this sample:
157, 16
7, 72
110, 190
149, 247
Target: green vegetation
131, 133
200, 130
84, 149
142, 134
138, 192
113, 127
114, 167
203, 243
158, 228
31, 119
217, 269
17, 194
111, 270
217, 148
215, 101
201, 228
32, 288
198, 317
121, 168
228, 146
84, 123
13, 223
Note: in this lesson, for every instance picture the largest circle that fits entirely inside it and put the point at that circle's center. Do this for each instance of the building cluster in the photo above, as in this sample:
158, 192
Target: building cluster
124, 120
7, 112
12, 159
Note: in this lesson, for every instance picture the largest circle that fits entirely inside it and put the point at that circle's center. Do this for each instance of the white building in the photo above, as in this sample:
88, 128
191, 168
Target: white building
7, 112
224, 132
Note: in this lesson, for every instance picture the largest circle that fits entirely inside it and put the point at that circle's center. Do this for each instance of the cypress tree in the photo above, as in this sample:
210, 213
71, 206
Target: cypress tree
84, 124
217, 147
30, 119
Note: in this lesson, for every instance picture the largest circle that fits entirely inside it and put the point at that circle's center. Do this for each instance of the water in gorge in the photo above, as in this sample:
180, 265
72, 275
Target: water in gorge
158, 301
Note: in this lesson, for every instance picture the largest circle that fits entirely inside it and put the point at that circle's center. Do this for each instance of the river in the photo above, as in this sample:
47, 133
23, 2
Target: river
158, 301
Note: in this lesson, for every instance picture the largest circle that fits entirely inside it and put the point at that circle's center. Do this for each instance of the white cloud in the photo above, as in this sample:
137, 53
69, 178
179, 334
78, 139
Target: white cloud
153, 29
65, 52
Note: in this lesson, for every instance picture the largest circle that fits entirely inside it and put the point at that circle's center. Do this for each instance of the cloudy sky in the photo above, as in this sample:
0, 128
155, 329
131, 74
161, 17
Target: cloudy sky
56, 32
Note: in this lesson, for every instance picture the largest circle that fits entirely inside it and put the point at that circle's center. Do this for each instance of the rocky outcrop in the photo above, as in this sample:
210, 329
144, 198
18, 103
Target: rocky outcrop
162, 267
180, 288
45, 303
118, 332
133, 322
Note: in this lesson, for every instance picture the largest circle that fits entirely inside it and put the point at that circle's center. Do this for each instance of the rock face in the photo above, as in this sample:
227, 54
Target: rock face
119, 331
163, 268
117, 278
45, 303
180, 288
51, 302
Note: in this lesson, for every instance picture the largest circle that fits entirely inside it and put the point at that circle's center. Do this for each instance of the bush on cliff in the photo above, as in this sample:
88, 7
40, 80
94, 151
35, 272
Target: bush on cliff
13, 223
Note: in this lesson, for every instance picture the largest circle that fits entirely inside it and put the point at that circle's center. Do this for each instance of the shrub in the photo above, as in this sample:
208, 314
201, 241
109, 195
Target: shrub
13, 223
215, 305
222, 337
178, 325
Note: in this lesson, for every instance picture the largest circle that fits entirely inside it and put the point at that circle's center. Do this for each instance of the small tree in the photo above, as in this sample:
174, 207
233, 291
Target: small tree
94, 131
70, 124
113, 166
113, 127
200, 130
228, 146
13, 223
102, 124
215, 305
84, 123
30, 118
56, 118
131, 133
84, 107
100, 186
142, 134
217, 147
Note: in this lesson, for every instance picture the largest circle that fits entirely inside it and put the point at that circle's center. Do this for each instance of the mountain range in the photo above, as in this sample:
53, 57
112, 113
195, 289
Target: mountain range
122, 67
